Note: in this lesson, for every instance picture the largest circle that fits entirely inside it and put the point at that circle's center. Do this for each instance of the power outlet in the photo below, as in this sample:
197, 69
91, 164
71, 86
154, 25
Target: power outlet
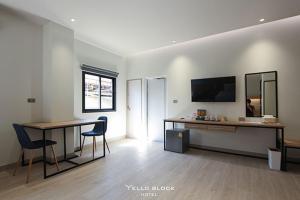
31, 100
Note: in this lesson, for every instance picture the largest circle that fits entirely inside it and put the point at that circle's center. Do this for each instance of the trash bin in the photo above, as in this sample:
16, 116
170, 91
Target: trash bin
274, 158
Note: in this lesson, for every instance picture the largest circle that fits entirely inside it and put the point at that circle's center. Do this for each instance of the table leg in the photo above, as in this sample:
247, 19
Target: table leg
164, 135
80, 138
283, 159
103, 139
65, 145
44, 154
277, 140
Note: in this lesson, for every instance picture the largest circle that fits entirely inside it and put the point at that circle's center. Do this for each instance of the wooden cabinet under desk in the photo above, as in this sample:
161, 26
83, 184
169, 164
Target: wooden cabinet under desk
210, 127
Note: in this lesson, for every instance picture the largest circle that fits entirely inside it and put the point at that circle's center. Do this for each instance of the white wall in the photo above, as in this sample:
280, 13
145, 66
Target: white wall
58, 64
21, 61
93, 56
42, 60
266, 47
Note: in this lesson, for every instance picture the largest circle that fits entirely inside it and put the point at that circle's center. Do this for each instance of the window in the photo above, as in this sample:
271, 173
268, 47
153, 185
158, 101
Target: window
98, 93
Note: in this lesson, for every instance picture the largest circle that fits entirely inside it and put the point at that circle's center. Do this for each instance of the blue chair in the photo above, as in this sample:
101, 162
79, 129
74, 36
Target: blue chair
26, 143
98, 130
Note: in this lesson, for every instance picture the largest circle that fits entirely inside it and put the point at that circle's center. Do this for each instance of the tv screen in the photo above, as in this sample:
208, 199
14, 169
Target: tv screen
220, 89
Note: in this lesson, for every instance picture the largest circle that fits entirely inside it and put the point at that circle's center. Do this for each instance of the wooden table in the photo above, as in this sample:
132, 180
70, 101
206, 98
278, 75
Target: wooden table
278, 127
46, 126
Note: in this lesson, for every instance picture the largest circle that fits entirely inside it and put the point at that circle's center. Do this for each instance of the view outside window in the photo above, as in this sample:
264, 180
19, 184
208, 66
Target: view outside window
106, 93
92, 92
99, 93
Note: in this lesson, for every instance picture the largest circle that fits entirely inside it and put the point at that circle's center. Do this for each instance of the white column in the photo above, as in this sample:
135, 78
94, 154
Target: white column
58, 91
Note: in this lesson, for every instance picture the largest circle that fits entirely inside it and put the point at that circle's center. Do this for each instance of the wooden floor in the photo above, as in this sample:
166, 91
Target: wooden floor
140, 167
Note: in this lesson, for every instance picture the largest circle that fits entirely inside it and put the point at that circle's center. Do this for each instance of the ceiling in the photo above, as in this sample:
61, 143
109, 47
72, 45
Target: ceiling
127, 27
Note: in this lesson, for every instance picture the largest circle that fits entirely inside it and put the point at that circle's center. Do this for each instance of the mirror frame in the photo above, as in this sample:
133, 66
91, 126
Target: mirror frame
276, 86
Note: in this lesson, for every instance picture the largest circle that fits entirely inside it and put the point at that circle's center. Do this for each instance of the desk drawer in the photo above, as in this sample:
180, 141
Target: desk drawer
195, 126
222, 128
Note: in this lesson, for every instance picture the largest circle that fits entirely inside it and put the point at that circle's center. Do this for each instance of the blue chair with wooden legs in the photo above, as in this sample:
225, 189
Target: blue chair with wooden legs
98, 130
26, 143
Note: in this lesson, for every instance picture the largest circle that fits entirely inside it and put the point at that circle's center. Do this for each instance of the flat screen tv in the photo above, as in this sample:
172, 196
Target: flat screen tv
220, 89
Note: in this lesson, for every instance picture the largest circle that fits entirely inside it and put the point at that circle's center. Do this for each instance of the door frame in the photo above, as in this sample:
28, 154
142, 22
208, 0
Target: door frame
147, 95
127, 94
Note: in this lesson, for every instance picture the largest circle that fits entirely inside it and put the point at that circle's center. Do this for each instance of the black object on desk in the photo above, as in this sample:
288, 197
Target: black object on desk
177, 140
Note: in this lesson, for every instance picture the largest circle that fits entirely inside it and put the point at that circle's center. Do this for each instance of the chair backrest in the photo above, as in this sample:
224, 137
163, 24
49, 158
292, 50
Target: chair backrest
22, 135
98, 127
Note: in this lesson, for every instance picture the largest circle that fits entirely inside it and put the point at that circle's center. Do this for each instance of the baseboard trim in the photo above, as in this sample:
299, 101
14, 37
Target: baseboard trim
240, 153
229, 151
113, 139
51, 161
37, 159
6, 167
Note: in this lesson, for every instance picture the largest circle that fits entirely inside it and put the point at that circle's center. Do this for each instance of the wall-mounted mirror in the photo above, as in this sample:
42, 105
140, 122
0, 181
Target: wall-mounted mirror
261, 94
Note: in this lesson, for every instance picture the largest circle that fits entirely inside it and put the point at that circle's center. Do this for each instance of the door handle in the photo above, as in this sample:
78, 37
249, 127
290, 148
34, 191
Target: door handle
128, 108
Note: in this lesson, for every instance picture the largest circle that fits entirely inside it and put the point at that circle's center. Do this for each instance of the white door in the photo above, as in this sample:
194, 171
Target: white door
134, 108
156, 108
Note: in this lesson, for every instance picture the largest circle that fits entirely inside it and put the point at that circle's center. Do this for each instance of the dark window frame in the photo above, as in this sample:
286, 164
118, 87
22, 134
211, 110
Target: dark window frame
113, 109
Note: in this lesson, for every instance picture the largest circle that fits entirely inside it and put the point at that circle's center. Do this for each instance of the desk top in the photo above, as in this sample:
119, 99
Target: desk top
227, 123
62, 124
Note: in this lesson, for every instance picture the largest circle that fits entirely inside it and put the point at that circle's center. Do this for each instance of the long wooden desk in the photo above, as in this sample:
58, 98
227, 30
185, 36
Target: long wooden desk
279, 128
46, 126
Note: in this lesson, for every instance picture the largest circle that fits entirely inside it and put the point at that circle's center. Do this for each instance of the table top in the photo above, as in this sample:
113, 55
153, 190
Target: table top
62, 124
227, 123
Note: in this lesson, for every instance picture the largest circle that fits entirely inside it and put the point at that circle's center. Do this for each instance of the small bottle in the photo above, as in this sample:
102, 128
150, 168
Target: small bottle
194, 115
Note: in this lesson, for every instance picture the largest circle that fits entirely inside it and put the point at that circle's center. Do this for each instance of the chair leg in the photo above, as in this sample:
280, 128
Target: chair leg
107, 146
82, 145
55, 159
93, 147
18, 162
29, 166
